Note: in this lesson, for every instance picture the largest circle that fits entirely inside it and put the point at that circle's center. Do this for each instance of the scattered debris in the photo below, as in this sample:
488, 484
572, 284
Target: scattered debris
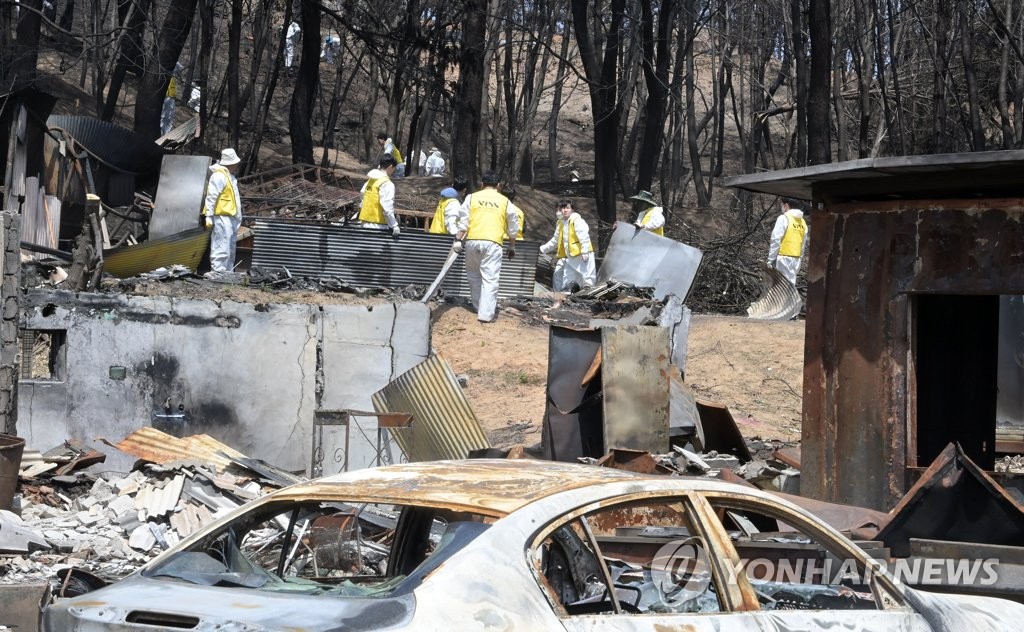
112, 523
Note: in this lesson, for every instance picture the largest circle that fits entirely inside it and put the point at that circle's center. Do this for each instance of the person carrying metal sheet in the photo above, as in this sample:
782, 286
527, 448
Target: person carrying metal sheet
485, 217
788, 241
572, 248
378, 206
222, 211
446, 215
652, 216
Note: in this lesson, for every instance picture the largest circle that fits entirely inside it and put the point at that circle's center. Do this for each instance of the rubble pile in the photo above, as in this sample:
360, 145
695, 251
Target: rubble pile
1011, 464
110, 524
768, 469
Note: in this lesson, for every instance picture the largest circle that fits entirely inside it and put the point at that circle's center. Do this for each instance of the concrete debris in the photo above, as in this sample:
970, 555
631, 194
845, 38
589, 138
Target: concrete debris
113, 523
1011, 464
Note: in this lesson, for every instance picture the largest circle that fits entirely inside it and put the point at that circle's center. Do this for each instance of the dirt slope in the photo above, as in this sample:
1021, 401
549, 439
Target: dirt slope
753, 367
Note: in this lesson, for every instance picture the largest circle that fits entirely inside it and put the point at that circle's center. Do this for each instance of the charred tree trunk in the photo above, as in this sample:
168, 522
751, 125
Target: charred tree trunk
966, 54
819, 127
657, 54
800, 73
601, 69
306, 84
234, 60
556, 105
157, 75
469, 90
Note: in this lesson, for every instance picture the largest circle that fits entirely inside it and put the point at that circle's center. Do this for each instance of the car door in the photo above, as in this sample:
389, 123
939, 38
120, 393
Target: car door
636, 562
803, 574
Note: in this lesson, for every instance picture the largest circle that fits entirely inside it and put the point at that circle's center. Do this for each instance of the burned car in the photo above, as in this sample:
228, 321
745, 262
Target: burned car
518, 545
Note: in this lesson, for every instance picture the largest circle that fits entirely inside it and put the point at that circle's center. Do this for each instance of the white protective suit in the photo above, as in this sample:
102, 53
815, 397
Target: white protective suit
654, 222
225, 227
788, 266
291, 40
434, 165
387, 199
330, 49
580, 269
483, 262
167, 115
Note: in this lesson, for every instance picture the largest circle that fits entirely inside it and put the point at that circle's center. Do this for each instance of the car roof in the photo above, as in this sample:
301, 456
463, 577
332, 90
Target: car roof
493, 487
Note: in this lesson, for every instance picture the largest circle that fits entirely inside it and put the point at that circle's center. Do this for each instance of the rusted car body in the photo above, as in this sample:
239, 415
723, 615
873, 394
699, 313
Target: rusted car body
514, 545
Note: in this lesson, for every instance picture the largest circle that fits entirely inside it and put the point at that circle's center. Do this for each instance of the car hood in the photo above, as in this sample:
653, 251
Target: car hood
966, 612
138, 603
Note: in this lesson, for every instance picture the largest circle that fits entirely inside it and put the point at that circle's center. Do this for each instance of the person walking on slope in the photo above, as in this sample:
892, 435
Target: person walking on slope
485, 217
446, 215
789, 241
377, 209
222, 211
291, 40
388, 146
572, 248
652, 216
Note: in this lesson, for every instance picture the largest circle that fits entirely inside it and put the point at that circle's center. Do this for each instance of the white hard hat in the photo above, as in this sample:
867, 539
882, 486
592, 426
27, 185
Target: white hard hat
229, 157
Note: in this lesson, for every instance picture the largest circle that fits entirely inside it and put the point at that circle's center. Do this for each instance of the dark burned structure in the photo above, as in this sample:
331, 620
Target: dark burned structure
914, 329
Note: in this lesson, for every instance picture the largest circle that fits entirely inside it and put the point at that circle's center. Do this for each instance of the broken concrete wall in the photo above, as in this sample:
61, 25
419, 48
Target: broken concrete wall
246, 374
10, 276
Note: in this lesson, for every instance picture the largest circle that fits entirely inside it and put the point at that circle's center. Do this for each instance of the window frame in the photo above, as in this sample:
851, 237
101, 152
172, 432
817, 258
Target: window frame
731, 600
888, 596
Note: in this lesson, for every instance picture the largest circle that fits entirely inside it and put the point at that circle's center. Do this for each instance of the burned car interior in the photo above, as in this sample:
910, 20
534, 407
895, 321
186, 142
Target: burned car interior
648, 557
335, 548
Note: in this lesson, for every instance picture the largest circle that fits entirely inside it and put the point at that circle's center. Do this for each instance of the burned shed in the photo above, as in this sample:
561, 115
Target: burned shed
915, 323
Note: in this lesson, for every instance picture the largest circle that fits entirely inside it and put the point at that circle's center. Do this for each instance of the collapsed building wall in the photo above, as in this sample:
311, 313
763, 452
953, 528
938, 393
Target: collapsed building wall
250, 375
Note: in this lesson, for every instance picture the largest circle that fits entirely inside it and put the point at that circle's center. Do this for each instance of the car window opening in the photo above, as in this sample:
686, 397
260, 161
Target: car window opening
352, 550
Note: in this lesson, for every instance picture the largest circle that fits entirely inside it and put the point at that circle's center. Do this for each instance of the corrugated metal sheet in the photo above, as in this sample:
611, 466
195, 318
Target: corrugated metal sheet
780, 300
185, 248
116, 146
155, 446
443, 424
371, 258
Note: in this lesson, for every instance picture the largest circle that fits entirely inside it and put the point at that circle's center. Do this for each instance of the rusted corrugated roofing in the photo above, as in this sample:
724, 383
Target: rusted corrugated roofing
185, 248
780, 301
153, 445
365, 257
443, 424
117, 147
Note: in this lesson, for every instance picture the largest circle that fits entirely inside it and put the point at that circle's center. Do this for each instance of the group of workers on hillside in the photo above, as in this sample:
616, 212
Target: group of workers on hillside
480, 222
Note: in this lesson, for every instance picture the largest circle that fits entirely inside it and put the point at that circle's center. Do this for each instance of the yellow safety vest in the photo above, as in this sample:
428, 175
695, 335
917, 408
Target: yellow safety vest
397, 154
226, 204
521, 217
371, 211
437, 226
487, 220
575, 247
172, 89
657, 231
793, 240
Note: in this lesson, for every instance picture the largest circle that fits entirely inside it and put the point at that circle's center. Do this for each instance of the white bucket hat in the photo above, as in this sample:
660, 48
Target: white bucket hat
229, 157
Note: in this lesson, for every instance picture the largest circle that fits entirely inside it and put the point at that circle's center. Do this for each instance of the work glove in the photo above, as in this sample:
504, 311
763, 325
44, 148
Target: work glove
208, 222
396, 231
771, 263
457, 246
586, 257
511, 252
